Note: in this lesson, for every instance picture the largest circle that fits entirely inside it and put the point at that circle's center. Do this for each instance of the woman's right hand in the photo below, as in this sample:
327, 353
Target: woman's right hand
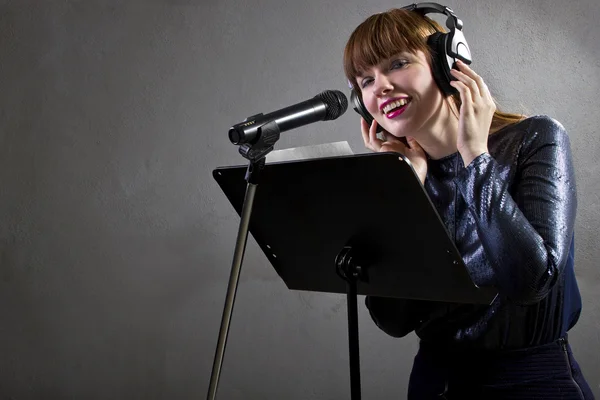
414, 152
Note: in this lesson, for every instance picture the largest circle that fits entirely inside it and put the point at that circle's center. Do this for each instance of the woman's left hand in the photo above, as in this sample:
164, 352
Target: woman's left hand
476, 113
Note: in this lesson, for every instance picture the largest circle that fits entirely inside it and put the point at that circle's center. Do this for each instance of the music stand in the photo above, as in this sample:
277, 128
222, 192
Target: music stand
360, 224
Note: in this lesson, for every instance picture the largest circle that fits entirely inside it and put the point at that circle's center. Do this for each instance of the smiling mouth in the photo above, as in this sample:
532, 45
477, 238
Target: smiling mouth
395, 108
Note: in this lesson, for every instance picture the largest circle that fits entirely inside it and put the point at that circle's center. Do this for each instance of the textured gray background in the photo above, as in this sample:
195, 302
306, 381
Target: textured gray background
116, 243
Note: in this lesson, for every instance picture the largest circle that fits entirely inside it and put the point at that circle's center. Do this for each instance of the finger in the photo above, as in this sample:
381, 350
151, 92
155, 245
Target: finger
481, 85
485, 90
373, 139
465, 94
482, 89
395, 148
469, 82
386, 147
412, 143
364, 130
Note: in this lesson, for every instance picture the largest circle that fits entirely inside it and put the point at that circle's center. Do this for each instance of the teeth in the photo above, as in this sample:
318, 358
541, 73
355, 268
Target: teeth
395, 104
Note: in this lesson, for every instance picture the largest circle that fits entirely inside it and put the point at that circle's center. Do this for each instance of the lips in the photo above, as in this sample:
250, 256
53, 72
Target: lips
394, 107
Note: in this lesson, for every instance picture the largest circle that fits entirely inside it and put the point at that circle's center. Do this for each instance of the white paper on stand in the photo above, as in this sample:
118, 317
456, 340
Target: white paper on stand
308, 152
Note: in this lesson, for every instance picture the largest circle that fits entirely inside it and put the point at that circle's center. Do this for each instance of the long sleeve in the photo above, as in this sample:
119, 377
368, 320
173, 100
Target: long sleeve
525, 224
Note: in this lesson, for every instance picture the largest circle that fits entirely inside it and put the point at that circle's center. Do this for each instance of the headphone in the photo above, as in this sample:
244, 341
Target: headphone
445, 48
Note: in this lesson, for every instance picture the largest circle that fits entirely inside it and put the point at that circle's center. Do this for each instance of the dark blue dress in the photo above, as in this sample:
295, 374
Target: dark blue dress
511, 214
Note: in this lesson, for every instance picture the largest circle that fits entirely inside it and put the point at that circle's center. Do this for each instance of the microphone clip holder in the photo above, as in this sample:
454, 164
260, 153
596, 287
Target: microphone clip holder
267, 135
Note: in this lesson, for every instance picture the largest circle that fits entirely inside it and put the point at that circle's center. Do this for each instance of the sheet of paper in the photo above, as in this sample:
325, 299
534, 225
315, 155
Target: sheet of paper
308, 152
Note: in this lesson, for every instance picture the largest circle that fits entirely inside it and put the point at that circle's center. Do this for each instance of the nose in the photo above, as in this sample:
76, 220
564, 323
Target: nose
382, 85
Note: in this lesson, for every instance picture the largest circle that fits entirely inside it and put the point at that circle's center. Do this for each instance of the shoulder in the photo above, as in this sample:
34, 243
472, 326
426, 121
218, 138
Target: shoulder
533, 132
543, 125
544, 131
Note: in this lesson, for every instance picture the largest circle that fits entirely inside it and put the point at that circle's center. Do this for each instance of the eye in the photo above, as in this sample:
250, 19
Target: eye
398, 64
365, 82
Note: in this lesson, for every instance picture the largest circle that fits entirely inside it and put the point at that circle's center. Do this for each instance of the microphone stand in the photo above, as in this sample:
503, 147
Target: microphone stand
267, 135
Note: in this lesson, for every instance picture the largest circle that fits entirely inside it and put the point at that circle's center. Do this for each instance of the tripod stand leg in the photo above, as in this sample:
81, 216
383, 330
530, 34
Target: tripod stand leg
353, 341
240, 248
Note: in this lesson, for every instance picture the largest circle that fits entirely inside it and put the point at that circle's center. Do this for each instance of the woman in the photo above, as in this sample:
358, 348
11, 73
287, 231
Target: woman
504, 186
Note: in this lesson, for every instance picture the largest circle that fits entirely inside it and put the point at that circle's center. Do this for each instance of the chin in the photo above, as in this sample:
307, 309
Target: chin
396, 129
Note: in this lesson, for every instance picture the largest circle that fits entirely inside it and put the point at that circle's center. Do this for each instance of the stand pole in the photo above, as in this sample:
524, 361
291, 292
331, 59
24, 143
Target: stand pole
255, 152
347, 268
353, 342
240, 248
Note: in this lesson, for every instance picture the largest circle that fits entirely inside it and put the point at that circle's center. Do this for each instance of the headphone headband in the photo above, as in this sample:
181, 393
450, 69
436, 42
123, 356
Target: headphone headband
453, 22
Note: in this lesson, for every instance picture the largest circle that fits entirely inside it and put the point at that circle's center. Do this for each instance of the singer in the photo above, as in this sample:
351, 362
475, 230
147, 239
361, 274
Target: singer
504, 186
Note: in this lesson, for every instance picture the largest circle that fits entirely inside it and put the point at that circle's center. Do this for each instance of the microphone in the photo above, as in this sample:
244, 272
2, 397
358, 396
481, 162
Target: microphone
325, 106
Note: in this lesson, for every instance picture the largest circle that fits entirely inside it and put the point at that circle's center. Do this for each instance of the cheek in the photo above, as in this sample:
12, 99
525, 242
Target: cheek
420, 82
428, 85
370, 102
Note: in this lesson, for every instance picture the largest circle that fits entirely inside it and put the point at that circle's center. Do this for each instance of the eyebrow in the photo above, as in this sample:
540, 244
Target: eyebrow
402, 54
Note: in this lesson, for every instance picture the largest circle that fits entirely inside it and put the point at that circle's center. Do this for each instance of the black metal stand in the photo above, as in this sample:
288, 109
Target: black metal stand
308, 214
348, 269
255, 152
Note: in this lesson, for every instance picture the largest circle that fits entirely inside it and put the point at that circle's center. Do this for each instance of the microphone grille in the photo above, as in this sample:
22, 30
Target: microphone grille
336, 103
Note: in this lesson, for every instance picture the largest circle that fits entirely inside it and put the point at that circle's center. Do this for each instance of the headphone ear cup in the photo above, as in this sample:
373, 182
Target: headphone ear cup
360, 108
440, 67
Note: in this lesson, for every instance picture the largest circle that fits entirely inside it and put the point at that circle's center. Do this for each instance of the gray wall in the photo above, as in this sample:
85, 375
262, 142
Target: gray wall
116, 243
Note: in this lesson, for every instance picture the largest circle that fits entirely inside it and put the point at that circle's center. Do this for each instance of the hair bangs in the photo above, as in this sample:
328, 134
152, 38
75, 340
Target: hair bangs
383, 36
